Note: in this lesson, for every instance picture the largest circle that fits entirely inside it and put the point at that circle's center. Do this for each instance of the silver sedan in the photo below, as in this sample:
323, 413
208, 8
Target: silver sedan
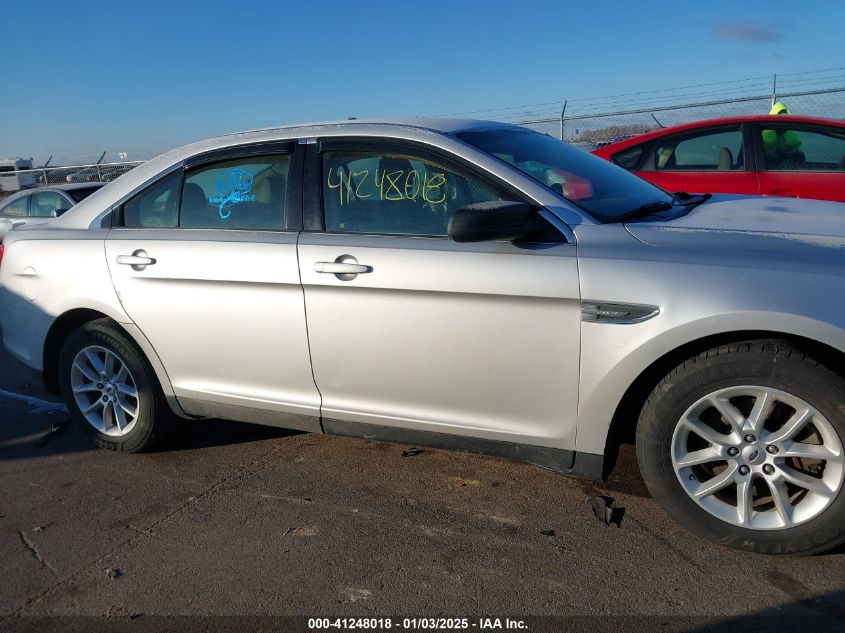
462, 284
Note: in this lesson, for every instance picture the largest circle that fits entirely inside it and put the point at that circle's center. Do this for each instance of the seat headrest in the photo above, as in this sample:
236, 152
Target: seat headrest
193, 197
726, 159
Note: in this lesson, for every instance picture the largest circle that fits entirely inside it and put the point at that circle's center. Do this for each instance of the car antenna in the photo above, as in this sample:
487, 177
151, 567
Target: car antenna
659, 124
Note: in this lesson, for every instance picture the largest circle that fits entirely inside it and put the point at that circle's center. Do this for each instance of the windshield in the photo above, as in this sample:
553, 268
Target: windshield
604, 190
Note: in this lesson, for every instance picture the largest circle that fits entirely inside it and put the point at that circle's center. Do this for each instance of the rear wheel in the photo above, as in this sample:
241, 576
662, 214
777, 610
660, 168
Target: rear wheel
111, 390
743, 445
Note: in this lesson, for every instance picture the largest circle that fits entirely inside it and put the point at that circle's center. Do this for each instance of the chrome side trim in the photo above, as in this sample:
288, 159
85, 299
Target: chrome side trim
617, 313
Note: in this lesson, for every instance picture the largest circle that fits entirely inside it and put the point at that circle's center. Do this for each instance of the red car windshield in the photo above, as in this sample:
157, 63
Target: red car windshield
604, 190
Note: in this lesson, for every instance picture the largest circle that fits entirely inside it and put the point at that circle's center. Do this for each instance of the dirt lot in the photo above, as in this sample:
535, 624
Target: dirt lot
232, 519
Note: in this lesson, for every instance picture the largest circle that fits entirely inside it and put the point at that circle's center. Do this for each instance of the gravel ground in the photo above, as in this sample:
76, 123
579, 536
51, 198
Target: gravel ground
233, 519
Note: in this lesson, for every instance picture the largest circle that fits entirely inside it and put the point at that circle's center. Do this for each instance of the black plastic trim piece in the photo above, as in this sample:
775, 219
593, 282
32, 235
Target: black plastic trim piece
312, 192
588, 466
205, 409
240, 151
556, 459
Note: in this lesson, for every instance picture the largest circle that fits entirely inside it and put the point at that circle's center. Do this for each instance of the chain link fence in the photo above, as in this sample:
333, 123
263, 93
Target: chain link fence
15, 180
589, 123
593, 130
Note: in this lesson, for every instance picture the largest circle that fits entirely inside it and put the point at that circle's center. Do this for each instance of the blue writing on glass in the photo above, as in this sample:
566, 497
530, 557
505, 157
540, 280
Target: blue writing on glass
232, 188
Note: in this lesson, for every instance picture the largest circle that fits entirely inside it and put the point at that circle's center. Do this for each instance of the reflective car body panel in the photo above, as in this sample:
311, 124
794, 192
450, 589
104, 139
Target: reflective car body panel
445, 337
229, 328
484, 340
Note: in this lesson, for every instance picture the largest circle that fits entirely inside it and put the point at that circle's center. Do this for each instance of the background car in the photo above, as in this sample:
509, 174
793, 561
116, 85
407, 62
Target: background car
36, 206
462, 284
86, 174
789, 155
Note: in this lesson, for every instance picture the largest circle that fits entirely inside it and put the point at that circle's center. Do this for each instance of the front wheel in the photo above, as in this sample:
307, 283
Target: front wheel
110, 388
743, 445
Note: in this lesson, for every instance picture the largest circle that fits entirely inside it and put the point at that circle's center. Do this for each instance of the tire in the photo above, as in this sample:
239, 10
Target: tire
152, 416
761, 509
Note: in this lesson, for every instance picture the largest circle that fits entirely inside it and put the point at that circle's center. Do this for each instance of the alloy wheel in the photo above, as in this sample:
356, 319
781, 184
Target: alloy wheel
758, 457
105, 390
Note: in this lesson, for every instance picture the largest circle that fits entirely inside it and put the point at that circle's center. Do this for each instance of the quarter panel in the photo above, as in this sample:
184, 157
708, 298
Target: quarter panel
45, 278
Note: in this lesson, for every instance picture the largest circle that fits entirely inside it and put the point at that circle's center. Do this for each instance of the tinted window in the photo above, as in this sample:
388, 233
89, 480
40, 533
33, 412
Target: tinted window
395, 193
19, 207
247, 193
47, 204
83, 192
629, 158
788, 149
156, 206
603, 189
709, 151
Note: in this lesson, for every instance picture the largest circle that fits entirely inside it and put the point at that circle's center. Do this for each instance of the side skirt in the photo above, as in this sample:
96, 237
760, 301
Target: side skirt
585, 465
295, 421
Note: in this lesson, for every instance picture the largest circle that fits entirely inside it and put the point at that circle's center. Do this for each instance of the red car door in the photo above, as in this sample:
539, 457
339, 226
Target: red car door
710, 160
801, 160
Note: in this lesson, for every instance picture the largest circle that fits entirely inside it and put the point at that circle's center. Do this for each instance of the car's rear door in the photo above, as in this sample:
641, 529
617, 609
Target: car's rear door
480, 340
709, 160
800, 160
205, 264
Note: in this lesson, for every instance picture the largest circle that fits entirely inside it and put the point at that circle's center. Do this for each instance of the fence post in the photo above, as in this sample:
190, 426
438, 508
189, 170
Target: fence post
562, 112
774, 89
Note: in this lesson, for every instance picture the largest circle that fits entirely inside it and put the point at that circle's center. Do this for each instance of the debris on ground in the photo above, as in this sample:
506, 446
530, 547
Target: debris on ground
547, 532
306, 530
113, 572
460, 482
411, 452
605, 511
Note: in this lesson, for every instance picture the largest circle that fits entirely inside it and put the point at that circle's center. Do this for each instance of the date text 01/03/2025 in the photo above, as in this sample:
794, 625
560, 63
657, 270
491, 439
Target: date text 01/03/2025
417, 624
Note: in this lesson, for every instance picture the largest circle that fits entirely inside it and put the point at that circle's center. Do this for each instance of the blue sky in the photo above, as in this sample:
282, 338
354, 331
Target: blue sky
83, 77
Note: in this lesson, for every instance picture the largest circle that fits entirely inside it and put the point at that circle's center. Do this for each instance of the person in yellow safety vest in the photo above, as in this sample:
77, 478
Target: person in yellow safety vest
782, 147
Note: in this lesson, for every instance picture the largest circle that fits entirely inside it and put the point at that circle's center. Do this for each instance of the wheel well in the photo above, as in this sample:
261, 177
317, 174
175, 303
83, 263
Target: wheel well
59, 331
624, 422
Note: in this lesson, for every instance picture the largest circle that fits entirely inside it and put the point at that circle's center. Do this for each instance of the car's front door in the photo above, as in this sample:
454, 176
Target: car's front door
205, 265
801, 160
408, 329
704, 161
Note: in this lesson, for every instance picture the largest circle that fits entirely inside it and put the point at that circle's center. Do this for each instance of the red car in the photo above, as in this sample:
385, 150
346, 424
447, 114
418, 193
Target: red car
781, 155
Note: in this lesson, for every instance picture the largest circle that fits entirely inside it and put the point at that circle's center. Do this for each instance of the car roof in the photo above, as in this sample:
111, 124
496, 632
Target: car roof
731, 120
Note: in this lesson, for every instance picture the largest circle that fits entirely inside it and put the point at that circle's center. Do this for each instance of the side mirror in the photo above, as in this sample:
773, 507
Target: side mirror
493, 221
58, 212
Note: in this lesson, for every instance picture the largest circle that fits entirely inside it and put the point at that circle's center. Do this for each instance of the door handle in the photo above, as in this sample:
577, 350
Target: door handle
341, 268
138, 260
